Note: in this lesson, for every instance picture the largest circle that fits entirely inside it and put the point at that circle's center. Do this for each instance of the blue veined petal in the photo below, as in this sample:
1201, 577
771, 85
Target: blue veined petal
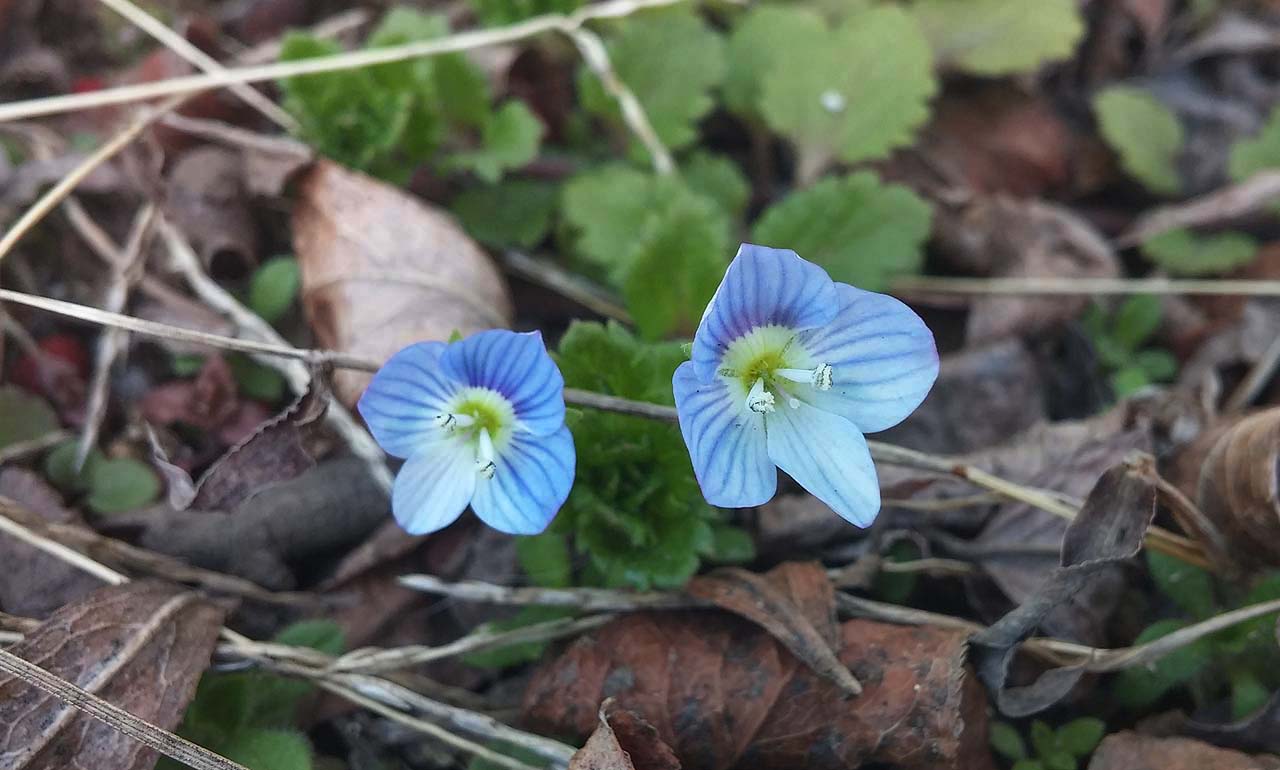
532, 481
828, 456
882, 356
726, 441
434, 486
762, 287
404, 397
518, 367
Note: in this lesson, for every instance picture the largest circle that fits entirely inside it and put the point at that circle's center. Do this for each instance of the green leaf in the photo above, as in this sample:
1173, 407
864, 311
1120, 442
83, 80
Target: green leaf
1145, 134
522, 652
462, 92
1044, 739
1059, 760
1248, 695
510, 213
511, 140
848, 94
1258, 153
256, 381
259, 749
763, 36
604, 206
863, 232
718, 178
121, 484
670, 60
1158, 365
1028, 764
502, 12
999, 37
186, 364
545, 560
1007, 741
1181, 252
323, 635
896, 587
274, 288
25, 416
1190, 587
1141, 686
1136, 320
1128, 380
730, 545
1081, 736
60, 467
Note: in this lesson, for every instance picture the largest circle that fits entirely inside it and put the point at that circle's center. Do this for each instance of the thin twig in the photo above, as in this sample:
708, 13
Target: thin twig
1222, 205
585, 599
1047, 285
52, 547
571, 285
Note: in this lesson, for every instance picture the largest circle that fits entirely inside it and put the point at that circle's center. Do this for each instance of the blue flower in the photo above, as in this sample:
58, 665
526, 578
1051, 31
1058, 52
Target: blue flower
790, 369
480, 422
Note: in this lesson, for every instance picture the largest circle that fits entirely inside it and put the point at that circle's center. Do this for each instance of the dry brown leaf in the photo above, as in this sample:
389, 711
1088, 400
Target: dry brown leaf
142, 646
206, 200
382, 270
1132, 751
623, 741
1238, 488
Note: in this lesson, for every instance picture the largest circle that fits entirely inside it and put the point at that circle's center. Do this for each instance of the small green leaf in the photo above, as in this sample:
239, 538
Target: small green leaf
510, 213
545, 560
1081, 736
896, 587
1128, 380
1247, 695
1146, 135
1190, 587
121, 484
1044, 739
274, 287
1007, 741
186, 364
323, 635
1181, 252
1258, 153
863, 232
604, 206
259, 749
1158, 365
522, 652
730, 545
1028, 764
718, 178
763, 36
1141, 686
849, 95
511, 140
1059, 760
495, 13
999, 37
1136, 320
256, 381
25, 416
60, 467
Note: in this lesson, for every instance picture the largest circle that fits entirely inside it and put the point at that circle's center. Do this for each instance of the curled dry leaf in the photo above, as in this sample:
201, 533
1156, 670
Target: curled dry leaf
722, 693
141, 646
1239, 490
623, 741
1132, 751
382, 270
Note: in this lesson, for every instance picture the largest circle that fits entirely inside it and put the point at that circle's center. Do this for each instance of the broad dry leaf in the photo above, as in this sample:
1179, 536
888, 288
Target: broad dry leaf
1238, 488
382, 270
623, 741
36, 583
1132, 751
142, 646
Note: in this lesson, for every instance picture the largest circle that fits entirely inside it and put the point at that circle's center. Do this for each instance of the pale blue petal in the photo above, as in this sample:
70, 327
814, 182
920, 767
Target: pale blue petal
726, 441
518, 367
434, 485
531, 482
762, 287
883, 360
404, 397
828, 456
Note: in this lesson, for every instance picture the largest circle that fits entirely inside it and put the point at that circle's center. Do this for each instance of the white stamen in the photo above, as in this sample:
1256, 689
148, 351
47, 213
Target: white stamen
449, 422
760, 400
819, 376
484, 455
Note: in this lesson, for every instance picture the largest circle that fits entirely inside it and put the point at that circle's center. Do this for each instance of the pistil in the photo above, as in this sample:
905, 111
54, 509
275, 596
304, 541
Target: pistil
760, 400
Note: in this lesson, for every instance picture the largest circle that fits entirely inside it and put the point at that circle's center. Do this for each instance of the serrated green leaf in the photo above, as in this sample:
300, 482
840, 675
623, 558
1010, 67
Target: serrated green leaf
718, 178
1182, 252
1142, 686
1256, 153
25, 416
730, 545
861, 231
1081, 736
1158, 365
764, 35
510, 213
274, 288
1007, 741
604, 207
511, 140
670, 60
850, 95
1136, 320
1044, 739
999, 37
1190, 587
1144, 133
260, 749
60, 467
545, 560
121, 484
254, 380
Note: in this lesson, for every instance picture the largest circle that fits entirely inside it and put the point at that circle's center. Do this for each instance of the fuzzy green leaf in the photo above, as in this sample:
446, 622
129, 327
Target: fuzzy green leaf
850, 93
1142, 686
1144, 133
1136, 320
1257, 153
999, 37
1182, 252
511, 140
1190, 587
25, 416
670, 60
274, 288
1007, 741
763, 36
262, 749
1081, 736
510, 213
545, 559
121, 484
718, 178
863, 232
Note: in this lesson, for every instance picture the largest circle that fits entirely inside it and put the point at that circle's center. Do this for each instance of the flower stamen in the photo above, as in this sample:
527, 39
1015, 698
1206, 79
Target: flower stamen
449, 422
484, 455
760, 400
819, 376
